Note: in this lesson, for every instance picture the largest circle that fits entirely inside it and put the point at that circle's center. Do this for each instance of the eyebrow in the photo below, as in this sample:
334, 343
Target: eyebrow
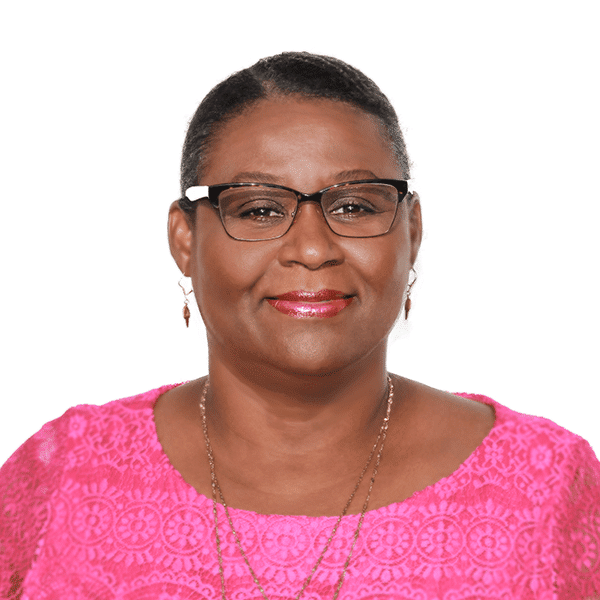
260, 177
356, 174
255, 176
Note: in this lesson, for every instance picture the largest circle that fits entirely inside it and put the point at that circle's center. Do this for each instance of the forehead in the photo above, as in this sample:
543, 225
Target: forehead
293, 136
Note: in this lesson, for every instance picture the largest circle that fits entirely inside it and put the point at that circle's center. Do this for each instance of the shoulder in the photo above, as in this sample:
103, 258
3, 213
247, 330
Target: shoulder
110, 433
506, 422
535, 444
532, 430
548, 445
83, 418
83, 432
44, 450
543, 449
80, 441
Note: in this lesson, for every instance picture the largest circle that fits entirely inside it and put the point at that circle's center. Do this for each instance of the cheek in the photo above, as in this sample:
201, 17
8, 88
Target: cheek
384, 264
225, 269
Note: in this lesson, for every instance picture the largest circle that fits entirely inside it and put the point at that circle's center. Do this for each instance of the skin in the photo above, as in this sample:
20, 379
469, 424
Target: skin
295, 405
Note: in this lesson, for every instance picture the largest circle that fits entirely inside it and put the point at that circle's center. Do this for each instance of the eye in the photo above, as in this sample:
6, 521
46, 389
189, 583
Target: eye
258, 209
260, 212
351, 206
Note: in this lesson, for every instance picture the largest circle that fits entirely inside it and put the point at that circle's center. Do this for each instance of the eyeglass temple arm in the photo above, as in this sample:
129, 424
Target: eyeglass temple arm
196, 192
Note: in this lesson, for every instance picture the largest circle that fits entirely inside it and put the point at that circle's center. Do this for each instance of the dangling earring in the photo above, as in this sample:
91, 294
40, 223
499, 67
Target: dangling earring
408, 302
186, 308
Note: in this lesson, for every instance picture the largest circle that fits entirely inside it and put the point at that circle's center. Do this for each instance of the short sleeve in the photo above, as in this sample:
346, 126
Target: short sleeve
578, 551
27, 481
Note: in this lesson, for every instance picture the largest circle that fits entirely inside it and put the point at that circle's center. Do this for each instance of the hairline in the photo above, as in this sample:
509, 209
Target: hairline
275, 93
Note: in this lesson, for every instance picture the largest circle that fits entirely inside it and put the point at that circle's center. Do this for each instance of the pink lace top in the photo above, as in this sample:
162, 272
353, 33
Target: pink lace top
91, 509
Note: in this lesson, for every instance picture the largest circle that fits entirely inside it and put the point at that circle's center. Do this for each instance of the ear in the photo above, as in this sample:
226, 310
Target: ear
415, 226
180, 238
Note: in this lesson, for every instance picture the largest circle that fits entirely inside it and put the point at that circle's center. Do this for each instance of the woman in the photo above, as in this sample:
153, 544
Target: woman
299, 467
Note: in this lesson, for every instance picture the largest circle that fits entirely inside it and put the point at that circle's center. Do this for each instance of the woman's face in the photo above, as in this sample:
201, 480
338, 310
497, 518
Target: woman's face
307, 145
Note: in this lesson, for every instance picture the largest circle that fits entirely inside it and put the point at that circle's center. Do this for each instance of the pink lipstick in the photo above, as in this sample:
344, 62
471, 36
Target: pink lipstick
304, 305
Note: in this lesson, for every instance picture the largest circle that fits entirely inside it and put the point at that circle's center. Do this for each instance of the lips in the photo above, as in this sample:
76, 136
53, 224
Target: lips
303, 305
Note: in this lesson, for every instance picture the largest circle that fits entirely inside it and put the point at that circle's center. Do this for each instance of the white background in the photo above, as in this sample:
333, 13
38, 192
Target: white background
499, 102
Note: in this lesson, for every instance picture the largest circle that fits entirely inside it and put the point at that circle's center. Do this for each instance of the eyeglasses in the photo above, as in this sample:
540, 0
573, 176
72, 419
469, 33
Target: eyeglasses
263, 211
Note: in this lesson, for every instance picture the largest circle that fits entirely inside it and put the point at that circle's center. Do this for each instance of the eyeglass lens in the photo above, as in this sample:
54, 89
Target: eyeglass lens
263, 213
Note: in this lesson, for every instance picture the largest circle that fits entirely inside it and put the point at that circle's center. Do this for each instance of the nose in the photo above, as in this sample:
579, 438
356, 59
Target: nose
309, 241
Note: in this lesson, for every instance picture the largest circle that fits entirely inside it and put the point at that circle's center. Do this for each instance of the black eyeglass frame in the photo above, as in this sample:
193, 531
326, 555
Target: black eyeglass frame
212, 193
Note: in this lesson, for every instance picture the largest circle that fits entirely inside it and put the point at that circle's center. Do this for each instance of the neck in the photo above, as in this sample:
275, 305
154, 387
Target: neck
263, 411
289, 443
269, 417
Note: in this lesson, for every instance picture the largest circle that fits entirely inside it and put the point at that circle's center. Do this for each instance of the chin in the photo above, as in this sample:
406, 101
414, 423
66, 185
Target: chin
309, 358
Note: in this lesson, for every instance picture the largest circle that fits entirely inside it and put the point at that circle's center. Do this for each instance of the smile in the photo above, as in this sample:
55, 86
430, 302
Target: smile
305, 305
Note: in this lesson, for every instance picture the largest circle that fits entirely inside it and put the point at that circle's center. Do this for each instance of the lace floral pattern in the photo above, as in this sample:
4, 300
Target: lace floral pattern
93, 510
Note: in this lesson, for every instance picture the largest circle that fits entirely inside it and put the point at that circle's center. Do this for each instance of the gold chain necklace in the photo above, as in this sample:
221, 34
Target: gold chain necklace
217, 488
